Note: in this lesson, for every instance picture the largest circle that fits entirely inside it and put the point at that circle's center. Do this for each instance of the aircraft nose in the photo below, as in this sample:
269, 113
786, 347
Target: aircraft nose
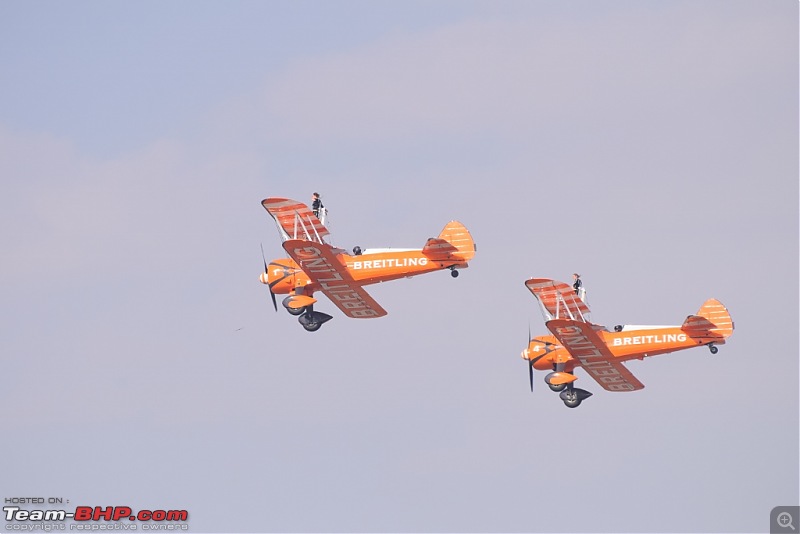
526, 355
263, 278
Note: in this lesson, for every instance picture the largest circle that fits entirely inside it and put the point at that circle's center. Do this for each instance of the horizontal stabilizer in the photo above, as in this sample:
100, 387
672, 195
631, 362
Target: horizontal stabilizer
439, 249
695, 323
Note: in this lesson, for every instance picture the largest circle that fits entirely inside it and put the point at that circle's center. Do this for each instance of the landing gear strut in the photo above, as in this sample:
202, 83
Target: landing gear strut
571, 395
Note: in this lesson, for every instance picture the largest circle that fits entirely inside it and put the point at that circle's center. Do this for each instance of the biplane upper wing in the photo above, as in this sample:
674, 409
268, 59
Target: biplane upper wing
585, 345
558, 298
295, 220
331, 277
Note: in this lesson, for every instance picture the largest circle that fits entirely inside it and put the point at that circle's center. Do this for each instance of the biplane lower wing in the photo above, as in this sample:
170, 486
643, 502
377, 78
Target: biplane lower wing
295, 219
331, 277
585, 345
558, 298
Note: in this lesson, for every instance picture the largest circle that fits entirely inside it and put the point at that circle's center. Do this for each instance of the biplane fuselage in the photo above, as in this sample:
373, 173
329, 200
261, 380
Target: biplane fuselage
577, 342
285, 275
624, 345
314, 265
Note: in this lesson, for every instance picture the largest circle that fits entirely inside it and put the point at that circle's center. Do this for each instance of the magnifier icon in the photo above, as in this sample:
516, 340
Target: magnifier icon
784, 520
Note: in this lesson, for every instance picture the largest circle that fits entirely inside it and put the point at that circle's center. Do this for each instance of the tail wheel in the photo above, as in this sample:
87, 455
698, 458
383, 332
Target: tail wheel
713, 349
453, 273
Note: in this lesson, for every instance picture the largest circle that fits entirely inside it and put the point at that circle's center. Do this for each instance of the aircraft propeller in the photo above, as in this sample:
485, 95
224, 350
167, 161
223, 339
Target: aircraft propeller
266, 274
530, 373
530, 361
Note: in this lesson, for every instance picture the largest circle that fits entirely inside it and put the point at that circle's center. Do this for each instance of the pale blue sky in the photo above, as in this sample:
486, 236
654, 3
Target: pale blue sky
652, 146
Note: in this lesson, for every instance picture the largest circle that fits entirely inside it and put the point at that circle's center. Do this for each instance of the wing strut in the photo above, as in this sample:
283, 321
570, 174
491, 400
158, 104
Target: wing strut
558, 300
311, 224
294, 220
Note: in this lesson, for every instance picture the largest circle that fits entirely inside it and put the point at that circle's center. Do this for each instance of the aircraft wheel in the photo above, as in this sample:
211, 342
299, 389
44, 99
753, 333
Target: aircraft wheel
312, 320
557, 387
311, 327
572, 400
296, 311
713, 349
454, 273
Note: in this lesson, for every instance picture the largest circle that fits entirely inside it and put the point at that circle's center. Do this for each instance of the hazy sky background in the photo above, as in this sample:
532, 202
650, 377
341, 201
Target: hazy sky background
651, 146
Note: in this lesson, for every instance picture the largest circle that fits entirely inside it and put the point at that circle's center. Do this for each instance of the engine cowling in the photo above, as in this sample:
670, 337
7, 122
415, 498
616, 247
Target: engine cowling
281, 275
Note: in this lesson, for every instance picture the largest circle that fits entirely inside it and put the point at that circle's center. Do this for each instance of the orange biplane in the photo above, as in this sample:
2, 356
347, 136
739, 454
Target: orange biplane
577, 342
314, 265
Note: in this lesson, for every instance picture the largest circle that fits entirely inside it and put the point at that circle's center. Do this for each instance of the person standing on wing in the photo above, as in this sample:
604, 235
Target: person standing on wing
577, 284
316, 204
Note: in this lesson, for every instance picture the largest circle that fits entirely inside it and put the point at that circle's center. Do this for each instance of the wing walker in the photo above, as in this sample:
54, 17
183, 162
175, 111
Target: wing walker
577, 342
315, 266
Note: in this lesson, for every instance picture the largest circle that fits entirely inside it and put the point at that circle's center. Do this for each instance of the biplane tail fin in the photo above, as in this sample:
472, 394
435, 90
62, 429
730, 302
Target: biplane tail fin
712, 321
454, 243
